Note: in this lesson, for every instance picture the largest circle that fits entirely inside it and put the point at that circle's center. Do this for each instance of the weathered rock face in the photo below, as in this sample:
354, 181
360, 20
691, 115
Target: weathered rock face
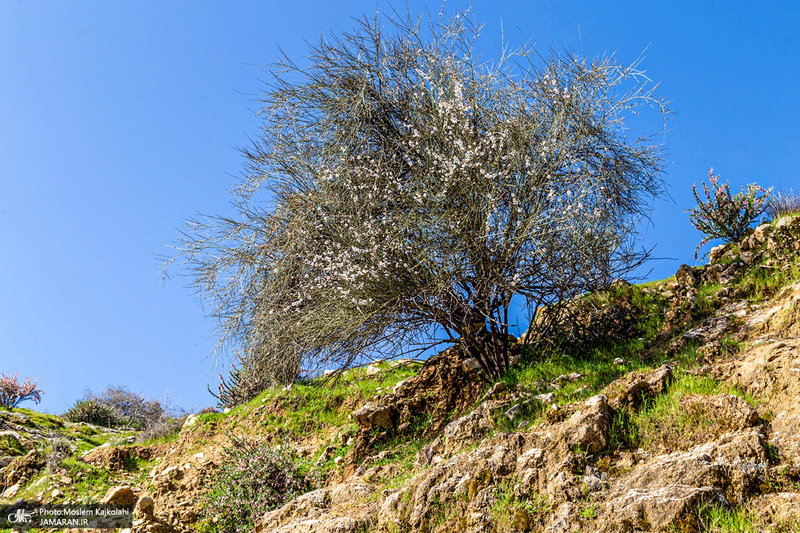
636, 387
587, 430
726, 411
660, 491
375, 414
470, 427
23, 468
311, 512
716, 253
685, 277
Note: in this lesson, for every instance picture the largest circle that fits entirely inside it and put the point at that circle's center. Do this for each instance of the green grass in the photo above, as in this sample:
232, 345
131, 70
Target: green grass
663, 422
312, 405
713, 517
511, 512
89, 483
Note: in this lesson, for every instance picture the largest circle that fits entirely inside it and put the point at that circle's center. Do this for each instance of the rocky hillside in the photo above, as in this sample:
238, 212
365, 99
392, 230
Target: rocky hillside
669, 406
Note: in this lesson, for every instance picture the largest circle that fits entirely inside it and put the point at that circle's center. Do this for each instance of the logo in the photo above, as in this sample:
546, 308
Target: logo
21, 517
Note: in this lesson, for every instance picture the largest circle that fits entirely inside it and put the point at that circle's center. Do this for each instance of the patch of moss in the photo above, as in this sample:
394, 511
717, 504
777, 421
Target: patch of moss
43, 420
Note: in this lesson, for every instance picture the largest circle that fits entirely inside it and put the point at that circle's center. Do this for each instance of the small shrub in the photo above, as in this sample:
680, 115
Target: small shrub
244, 382
12, 392
94, 412
724, 216
59, 450
208, 410
254, 478
784, 202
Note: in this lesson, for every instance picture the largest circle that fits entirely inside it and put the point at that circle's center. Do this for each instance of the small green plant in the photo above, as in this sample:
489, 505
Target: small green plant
724, 216
717, 518
59, 450
253, 478
517, 512
590, 512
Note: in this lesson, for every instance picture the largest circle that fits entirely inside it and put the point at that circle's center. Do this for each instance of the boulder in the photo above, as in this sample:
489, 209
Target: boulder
762, 232
685, 276
589, 428
716, 253
119, 495
144, 505
635, 387
375, 414
784, 224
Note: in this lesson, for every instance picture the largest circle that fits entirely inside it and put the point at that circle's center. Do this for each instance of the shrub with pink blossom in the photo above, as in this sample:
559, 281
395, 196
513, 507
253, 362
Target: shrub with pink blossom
254, 478
724, 216
12, 392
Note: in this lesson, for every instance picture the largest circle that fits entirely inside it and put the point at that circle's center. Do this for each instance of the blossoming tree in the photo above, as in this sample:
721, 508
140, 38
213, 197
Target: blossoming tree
405, 194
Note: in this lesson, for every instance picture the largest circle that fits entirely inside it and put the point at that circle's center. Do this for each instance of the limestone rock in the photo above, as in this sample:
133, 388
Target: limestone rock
729, 274
470, 364
311, 511
398, 388
716, 253
685, 276
375, 414
762, 232
23, 468
726, 410
778, 508
660, 491
712, 272
784, 224
145, 505
635, 387
588, 429
119, 495
470, 427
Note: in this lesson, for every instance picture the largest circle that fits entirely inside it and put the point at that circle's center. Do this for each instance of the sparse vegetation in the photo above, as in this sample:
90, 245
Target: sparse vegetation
513, 512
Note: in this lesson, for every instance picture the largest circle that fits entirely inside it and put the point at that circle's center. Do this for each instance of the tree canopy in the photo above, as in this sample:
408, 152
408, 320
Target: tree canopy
406, 193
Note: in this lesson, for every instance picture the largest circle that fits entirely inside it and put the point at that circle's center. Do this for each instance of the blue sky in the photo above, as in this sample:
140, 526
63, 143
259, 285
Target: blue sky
118, 120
